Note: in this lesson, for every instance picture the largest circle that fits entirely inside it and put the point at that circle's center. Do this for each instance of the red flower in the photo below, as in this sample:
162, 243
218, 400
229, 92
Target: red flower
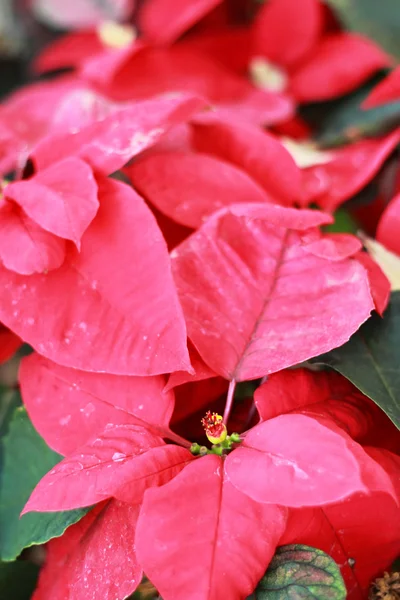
292, 53
214, 427
127, 68
240, 494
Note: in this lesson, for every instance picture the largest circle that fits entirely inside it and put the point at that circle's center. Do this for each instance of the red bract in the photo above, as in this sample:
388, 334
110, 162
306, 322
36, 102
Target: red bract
146, 304
213, 533
388, 228
96, 55
296, 56
110, 143
258, 153
93, 303
201, 371
91, 405
126, 68
346, 171
190, 187
123, 461
229, 46
9, 344
41, 108
286, 469
61, 199
94, 558
108, 47
153, 71
259, 297
386, 91
361, 534
25, 247
379, 283
315, 394
163, 21
325, 395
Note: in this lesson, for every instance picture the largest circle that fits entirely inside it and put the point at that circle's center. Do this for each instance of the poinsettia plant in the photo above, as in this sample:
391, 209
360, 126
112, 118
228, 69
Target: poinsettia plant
205, 334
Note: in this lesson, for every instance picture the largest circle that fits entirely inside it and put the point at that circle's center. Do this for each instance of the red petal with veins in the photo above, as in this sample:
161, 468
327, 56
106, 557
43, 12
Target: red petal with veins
97, 317
218, 540
95, 558
87, 402
110, 143
256, 301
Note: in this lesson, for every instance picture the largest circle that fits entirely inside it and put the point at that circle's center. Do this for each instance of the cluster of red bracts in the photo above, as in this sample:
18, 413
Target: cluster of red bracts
142, 300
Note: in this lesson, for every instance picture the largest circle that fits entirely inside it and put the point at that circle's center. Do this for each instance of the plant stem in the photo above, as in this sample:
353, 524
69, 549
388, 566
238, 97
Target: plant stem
174, 437
229, 400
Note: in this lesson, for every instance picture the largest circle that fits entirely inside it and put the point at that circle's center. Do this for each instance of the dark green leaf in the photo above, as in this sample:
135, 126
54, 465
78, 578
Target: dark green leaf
26, 458
378, 19
301, 572
371, 359
396, 565
17, 580
9, 401
347, 121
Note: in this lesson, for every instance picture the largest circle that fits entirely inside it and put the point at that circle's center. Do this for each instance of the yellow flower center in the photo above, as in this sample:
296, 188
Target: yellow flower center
115, 35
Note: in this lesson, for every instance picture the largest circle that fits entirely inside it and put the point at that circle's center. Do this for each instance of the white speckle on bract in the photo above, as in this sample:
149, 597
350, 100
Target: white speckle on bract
118, 456
65, 420
82, 326
88, 409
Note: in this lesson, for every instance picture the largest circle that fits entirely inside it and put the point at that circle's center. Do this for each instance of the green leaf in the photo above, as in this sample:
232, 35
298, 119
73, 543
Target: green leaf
301, 572
344, 223
377, 19
371, 359
26, 458
346, 121
17, 580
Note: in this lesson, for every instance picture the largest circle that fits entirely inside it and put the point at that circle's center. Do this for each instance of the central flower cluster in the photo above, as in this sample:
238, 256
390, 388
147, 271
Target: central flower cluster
214, 427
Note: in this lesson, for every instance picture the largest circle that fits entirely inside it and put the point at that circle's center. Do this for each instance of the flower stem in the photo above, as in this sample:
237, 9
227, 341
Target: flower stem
229, 400
174, 437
